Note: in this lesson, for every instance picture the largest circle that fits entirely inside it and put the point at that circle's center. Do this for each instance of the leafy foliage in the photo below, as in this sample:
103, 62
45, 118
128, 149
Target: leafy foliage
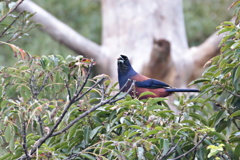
51, 109
13, 26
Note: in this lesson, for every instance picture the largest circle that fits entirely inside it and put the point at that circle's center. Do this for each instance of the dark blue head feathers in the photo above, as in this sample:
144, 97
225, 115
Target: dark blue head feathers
125, 70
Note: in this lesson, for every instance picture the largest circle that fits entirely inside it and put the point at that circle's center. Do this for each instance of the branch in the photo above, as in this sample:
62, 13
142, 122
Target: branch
171, 150
68, 105
192, 149
224, 88
101, 103
16, 18
40, 124
11, 10
68, 90
93, 86
24, 140
203, 53
44, 83
84, 83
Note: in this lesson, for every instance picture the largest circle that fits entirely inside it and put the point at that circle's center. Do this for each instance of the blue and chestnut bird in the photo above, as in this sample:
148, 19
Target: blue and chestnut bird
126, 74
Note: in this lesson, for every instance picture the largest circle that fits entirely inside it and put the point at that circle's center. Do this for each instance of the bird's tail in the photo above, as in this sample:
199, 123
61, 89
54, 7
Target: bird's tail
181, 90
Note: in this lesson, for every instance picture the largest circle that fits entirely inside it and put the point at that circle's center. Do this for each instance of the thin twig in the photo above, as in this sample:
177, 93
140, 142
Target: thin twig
101, 103
77, 93
102, 92
237, 95
129, 90
68, 90
40, 124
195, 147
11, 10
33, 85
75, 99
44, 83
171, 150
9, 26
24, 140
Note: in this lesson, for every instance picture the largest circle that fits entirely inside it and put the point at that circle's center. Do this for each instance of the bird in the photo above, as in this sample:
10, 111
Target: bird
127, 75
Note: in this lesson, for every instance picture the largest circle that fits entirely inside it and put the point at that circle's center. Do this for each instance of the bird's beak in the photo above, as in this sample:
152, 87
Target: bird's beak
120, 60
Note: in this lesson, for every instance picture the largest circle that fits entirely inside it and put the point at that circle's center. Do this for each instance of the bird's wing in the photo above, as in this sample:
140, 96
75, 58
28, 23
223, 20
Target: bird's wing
151, 84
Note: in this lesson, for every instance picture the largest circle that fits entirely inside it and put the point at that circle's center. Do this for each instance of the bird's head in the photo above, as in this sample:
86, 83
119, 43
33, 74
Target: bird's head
125, 70
124, 65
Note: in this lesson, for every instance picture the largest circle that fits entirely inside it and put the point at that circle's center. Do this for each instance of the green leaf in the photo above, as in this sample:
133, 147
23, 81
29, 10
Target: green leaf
223, 30
86, 134
165, 146
236, 74
131, 102
5, 156
151, 132
88, 156
72, 131
95, 131
155, 107
199, 117
135, 126
11, 144
145, 94
8, 133
219, 135
222, 125
192, 123
221, 115
214, 149
235, 45
237, 152
237, 113
153, 101
200, 80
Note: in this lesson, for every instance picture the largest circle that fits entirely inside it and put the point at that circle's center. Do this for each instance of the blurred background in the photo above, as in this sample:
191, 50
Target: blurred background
84, 16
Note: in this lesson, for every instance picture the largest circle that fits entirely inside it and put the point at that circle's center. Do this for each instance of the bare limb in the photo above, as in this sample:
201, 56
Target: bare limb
192, 149
11, 10
24, 140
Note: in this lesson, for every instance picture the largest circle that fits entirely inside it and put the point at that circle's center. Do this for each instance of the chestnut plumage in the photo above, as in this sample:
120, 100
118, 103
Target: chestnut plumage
126, 74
